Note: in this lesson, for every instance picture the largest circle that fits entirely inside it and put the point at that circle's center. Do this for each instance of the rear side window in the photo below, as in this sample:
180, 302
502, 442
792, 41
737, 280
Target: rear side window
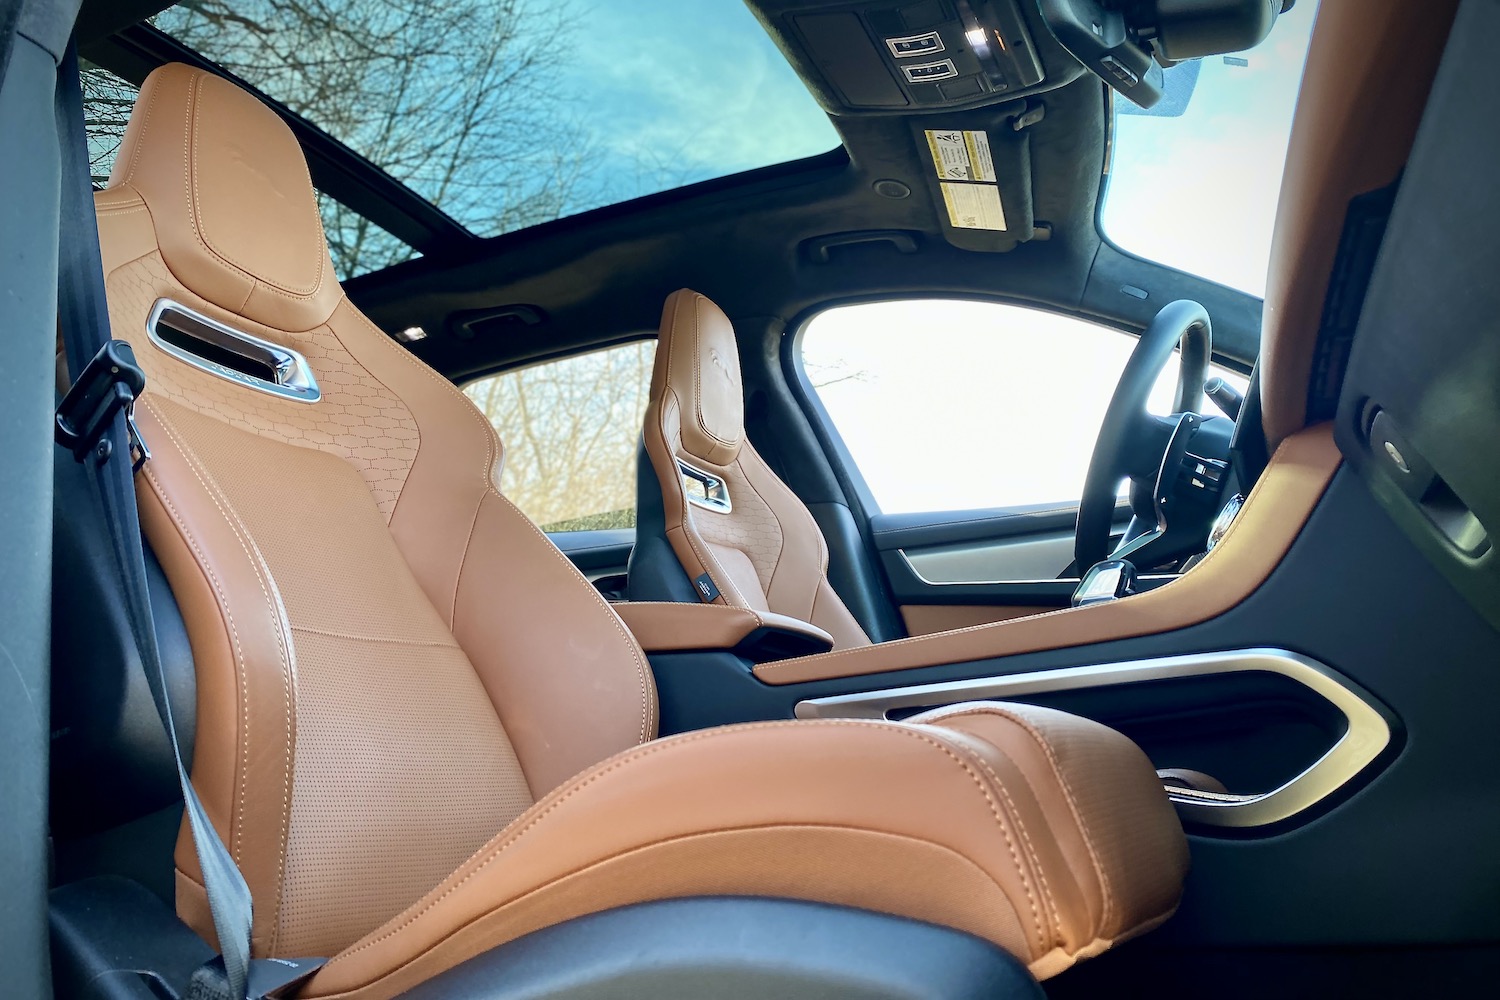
571, 429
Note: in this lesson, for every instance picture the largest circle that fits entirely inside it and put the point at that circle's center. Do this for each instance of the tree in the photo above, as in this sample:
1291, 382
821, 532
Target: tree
572, 429
450, 97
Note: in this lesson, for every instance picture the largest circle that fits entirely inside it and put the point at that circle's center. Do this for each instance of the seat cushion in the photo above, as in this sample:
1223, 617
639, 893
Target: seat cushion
1046, 834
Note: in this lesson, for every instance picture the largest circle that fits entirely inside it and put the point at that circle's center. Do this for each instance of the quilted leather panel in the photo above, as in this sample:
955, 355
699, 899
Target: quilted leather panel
358, 419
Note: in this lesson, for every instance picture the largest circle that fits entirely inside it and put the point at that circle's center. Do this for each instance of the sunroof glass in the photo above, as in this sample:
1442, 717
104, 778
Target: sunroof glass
509, 113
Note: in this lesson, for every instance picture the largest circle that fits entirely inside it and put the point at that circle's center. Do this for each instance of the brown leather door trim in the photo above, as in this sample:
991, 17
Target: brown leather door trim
925, 619
1271, 520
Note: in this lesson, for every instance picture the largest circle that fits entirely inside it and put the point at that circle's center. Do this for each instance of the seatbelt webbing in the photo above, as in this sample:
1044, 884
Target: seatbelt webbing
84, 319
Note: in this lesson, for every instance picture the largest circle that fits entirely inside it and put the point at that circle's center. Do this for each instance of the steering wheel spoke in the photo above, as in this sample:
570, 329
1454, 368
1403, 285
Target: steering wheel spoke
1147, 449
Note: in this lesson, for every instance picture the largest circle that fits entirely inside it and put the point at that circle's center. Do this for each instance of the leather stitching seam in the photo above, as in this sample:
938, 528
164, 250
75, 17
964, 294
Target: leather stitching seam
648, 711
676, 840
553, 801
1032, 857
252, 554
199, 231
1107, 911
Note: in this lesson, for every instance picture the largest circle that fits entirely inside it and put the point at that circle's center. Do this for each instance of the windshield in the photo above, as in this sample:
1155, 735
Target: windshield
1195, 181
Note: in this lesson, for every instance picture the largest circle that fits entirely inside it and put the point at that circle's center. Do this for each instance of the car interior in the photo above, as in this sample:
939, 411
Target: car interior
756, 498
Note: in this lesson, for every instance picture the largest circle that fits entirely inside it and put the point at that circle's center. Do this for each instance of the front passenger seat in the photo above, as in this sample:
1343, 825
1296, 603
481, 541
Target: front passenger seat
742, 537
420, 731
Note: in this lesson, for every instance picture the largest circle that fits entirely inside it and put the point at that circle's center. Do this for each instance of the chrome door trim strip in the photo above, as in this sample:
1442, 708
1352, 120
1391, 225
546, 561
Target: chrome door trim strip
1365, 737
294, 376
1154, 577
1036, 555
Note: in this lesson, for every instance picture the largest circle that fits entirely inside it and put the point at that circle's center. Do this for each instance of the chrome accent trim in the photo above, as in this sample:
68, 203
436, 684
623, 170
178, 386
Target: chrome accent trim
999, 597
945, 565
294, 377
917, 73
1365, 738
716, 492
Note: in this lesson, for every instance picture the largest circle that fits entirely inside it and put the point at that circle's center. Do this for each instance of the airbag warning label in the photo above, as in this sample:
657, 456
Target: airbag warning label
961, 156
974, 206
966, 174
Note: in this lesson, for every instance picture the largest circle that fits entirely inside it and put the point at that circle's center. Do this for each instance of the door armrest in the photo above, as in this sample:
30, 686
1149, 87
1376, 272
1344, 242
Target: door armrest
759, 636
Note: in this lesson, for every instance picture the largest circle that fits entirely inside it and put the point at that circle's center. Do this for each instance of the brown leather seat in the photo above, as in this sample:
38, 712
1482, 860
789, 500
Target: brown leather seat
423, 734
756, 546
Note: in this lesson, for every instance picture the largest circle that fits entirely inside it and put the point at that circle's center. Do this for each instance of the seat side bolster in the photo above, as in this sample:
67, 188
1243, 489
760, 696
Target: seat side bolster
880, 816
1105, 812
242, 651
568, 680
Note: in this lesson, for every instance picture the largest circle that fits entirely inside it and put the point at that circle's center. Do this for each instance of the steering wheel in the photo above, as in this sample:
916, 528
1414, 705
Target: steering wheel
1151, 450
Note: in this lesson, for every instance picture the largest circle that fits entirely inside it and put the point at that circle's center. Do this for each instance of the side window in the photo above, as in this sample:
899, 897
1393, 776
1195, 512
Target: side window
954, 405
570, 429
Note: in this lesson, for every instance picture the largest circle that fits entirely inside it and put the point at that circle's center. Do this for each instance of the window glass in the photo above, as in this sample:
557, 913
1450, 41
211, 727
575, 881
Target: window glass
570, 429
952, 405
356, 245
107, 100
508, 113
1194, 182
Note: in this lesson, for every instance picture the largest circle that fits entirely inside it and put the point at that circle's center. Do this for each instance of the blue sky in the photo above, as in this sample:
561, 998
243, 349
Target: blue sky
1199, 192
693, 89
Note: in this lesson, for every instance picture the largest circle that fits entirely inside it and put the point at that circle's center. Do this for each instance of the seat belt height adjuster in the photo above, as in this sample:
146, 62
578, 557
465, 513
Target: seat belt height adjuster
112, 381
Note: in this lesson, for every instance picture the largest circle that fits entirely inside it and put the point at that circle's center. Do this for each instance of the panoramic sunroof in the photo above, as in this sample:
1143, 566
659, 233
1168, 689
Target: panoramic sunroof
510, 113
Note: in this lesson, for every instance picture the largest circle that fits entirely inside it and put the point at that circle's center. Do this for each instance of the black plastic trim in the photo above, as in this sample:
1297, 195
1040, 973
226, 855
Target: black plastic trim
112, 939
738, 948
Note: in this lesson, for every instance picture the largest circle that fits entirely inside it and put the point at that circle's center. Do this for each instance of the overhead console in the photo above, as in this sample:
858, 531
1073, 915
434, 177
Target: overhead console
894, 56
904, 56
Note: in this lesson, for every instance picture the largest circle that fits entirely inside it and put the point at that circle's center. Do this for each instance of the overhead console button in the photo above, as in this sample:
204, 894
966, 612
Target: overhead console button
915, 45
930, 72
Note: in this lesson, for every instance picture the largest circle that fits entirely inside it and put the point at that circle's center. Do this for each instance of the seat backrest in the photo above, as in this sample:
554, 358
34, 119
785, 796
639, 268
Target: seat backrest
392, 661
741, 536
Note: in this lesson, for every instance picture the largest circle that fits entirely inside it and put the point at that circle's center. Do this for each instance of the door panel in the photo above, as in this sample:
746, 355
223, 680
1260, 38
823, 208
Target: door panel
925, 619
955, 569
1352, 593
601, 556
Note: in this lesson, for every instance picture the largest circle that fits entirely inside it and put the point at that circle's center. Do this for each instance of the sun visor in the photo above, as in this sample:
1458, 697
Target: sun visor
977, 176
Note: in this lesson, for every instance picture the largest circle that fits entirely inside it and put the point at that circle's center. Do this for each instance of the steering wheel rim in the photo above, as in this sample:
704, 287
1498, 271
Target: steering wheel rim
1127, 420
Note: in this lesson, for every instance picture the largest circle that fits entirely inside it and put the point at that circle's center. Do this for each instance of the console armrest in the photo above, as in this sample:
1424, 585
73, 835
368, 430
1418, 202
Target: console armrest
760, 636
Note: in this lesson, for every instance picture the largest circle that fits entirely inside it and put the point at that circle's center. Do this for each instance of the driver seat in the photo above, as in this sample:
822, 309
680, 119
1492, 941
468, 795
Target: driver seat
734, 533
420, 731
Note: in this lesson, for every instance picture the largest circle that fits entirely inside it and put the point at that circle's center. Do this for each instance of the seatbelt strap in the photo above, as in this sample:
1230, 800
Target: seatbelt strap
94, 420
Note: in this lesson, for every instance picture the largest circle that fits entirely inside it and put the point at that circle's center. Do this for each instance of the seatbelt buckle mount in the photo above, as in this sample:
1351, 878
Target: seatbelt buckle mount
111, 382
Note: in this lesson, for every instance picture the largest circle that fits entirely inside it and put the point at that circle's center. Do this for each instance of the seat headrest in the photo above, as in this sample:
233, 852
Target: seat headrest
230, 198
702, 369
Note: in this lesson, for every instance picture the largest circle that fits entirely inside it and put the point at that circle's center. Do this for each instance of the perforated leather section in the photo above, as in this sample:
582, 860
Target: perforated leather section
397, 743
358, 419
751, 527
